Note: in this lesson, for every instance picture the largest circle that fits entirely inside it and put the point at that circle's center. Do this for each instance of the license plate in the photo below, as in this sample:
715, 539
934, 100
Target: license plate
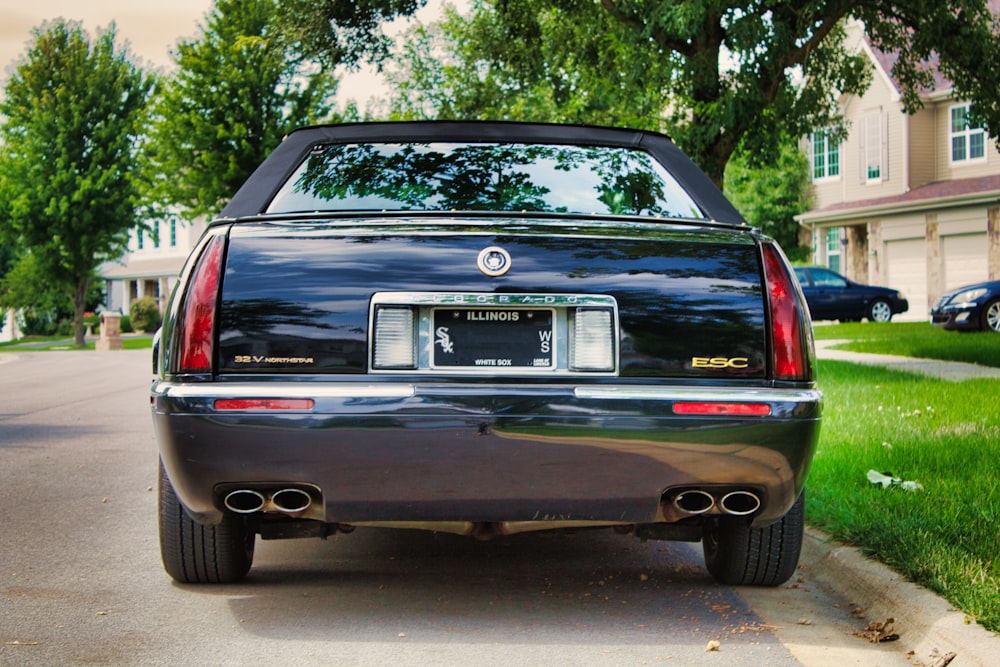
493, 338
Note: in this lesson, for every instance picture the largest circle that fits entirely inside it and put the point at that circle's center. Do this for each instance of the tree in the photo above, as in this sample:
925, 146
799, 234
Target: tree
770, 196
532, 66
73, 111
237, 93
747, 72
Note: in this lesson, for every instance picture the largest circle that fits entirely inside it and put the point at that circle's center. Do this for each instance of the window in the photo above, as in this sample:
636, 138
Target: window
173, 232
833, 248
873, 148
139, 234
968, 142
156, 234
825, 156
448, 176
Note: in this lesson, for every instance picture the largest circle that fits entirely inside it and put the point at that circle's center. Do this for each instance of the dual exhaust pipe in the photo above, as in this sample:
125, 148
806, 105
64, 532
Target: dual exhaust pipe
698, 501
284, 501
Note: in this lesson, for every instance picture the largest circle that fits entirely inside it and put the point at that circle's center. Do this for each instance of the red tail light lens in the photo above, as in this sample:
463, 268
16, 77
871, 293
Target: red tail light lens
729, 409
198, 321
790, 356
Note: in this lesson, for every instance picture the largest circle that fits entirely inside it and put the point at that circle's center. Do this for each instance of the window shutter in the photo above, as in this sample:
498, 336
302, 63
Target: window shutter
885, 146
863, 158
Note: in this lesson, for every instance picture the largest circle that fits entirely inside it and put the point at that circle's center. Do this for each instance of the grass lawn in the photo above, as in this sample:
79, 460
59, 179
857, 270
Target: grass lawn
915, 339
61, 343
943, 435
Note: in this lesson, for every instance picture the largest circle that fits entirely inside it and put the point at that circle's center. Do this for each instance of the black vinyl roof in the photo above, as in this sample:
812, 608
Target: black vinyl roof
257, 192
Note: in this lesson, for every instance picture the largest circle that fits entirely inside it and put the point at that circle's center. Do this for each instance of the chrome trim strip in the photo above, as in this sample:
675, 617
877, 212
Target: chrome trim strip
285, 390
708, 394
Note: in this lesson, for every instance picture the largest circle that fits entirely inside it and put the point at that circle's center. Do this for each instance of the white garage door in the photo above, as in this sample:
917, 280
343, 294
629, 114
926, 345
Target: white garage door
965, 259
906, 266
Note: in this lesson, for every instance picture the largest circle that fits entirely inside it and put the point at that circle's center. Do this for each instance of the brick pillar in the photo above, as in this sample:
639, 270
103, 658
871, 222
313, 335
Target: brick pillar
993, 236
935, 264
877, 249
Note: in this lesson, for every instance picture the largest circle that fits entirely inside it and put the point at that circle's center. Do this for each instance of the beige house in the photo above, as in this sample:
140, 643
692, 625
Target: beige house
908, 202
152, 264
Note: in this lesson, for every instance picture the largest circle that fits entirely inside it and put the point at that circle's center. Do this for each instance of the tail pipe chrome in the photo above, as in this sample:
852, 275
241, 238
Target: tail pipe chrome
291, 501
694, 501
286, 501
245, 501
740, 503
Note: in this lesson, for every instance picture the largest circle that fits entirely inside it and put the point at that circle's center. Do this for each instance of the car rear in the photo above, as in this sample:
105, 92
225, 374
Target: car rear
486, 373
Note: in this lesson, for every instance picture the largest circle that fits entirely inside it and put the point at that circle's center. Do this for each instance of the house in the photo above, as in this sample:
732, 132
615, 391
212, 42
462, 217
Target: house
152, 263
908, 202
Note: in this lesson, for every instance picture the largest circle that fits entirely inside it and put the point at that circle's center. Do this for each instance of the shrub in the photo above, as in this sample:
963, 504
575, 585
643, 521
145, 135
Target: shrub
126, 324
145, 314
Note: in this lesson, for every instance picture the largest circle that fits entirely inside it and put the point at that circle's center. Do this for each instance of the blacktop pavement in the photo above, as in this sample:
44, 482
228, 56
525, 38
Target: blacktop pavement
933, 627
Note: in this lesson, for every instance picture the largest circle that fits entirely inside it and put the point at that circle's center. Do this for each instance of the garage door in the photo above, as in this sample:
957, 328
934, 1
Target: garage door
965, 259
906, 267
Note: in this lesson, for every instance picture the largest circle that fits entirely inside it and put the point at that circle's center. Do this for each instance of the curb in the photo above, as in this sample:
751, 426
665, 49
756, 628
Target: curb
929, 627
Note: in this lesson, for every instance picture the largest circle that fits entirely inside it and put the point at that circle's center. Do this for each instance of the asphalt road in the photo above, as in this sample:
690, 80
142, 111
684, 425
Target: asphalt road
81, 581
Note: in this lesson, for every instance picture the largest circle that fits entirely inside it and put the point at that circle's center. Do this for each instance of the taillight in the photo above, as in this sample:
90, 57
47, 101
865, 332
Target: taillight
198, 323
790, 355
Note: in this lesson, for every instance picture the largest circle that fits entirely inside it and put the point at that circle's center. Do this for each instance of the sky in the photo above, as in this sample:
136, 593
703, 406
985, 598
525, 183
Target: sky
152, 28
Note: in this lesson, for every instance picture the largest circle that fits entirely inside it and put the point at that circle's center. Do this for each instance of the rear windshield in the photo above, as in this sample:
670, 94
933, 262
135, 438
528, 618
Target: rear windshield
483, 177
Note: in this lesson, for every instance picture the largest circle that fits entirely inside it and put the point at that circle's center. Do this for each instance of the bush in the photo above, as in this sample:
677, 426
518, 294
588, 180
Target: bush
125, 326
145, 314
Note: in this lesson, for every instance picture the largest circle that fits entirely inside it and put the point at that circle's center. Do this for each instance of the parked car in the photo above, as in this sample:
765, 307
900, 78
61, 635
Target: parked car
485, 329
969, 308
831, 296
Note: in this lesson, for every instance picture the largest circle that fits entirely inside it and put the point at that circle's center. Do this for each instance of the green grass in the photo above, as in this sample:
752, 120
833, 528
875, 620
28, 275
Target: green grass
944, 435
915, 339
62, 344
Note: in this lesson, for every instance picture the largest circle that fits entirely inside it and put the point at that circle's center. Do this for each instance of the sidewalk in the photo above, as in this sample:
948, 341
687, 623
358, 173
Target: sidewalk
928, 625
953, 371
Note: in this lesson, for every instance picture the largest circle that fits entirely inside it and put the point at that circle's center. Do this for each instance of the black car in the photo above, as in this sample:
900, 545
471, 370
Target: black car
831, 296
484, 329
969, 308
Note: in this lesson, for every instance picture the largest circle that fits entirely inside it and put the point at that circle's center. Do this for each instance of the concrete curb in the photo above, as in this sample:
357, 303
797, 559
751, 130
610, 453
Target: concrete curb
928, 626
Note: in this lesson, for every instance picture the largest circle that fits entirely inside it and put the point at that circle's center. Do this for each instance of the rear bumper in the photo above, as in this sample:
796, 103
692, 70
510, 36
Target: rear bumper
466, 452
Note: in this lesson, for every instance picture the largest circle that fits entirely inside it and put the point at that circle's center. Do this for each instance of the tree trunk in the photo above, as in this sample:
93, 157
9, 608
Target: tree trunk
79, 304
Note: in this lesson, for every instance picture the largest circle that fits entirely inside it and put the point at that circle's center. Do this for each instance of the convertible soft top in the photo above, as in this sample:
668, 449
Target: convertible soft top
254, 196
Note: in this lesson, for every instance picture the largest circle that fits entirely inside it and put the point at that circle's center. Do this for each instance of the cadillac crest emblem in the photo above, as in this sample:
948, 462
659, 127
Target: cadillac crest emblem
494, 261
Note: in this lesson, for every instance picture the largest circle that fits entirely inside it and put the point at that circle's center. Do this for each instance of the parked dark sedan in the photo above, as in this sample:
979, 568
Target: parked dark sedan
484, 329
831, 296
969, 308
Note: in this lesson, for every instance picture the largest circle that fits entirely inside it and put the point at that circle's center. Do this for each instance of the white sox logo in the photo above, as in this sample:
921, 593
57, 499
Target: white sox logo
444, 340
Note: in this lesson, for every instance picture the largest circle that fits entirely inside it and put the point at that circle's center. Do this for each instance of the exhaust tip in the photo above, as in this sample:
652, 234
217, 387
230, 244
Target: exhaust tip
290, 501
244, 501
694, 501
740, 503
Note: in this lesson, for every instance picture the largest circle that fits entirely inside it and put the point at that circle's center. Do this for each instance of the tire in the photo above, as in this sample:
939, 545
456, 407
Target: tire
991, 316
738, 555
879, 310
197, 554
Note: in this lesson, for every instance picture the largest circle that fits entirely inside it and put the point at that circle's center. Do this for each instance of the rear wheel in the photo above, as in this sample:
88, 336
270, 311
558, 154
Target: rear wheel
197, 554
879, 311
991, 316
737, 554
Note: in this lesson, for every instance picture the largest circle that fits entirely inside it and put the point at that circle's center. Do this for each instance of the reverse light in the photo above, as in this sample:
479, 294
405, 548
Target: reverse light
198, 319
593, 346
790, 356
394, 345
